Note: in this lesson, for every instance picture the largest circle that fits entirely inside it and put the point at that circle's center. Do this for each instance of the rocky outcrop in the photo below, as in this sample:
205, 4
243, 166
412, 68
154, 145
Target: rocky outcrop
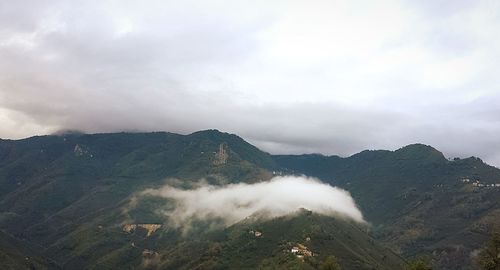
81, 151
150, 228
221, 156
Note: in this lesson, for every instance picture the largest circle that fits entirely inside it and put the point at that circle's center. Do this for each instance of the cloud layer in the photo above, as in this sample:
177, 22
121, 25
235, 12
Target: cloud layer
335, 77
278, 197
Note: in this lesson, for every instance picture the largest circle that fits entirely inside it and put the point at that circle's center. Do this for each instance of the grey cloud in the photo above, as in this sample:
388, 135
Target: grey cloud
160, 65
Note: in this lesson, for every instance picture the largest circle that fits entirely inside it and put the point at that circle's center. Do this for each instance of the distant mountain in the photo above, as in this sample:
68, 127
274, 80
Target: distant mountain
64, 202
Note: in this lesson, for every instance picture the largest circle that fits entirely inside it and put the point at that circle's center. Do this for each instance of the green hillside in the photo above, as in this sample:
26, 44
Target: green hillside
16, 254
65, 202
418, 201
53, 189
240, 247
323, 236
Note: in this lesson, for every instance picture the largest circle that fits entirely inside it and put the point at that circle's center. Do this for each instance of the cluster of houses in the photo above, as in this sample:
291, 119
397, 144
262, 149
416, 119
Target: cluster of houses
280, 173
255, 233
301, 251
477, 183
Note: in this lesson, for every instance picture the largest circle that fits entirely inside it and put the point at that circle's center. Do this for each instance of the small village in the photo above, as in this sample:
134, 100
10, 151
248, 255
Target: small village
301, 251
477, 183
255, 233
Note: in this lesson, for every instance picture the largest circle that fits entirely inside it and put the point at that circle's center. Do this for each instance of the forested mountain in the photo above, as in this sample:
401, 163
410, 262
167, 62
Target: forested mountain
65, 202
418, 201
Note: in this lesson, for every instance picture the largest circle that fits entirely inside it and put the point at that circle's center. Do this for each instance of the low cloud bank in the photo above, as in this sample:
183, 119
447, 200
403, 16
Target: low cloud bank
278, 197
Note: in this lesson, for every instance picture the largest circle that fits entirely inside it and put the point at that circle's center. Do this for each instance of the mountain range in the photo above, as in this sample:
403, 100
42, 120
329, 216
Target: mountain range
69, 201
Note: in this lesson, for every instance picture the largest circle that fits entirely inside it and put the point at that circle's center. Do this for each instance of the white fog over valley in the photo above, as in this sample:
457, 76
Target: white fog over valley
278, 197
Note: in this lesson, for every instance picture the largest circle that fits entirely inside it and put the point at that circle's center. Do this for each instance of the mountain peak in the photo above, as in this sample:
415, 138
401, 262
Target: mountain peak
420, 151
208, 131
418, 146
213, 134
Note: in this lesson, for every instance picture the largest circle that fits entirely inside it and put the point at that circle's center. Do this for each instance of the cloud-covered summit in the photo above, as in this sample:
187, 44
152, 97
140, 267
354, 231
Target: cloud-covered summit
334, 77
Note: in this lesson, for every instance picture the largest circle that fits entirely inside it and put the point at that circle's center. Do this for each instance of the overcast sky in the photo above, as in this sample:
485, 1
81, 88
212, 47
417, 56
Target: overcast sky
332, 77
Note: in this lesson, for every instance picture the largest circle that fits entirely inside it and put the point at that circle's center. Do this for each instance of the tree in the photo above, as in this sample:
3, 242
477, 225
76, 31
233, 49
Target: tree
330, 263
489, 258
418, 265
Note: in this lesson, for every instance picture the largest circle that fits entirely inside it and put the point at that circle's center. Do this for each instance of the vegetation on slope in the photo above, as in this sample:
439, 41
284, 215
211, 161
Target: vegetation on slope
418, 201
68, 196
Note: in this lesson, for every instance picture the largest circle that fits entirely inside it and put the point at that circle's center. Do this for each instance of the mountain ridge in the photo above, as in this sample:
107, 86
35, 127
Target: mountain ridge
413, 148
53, 188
